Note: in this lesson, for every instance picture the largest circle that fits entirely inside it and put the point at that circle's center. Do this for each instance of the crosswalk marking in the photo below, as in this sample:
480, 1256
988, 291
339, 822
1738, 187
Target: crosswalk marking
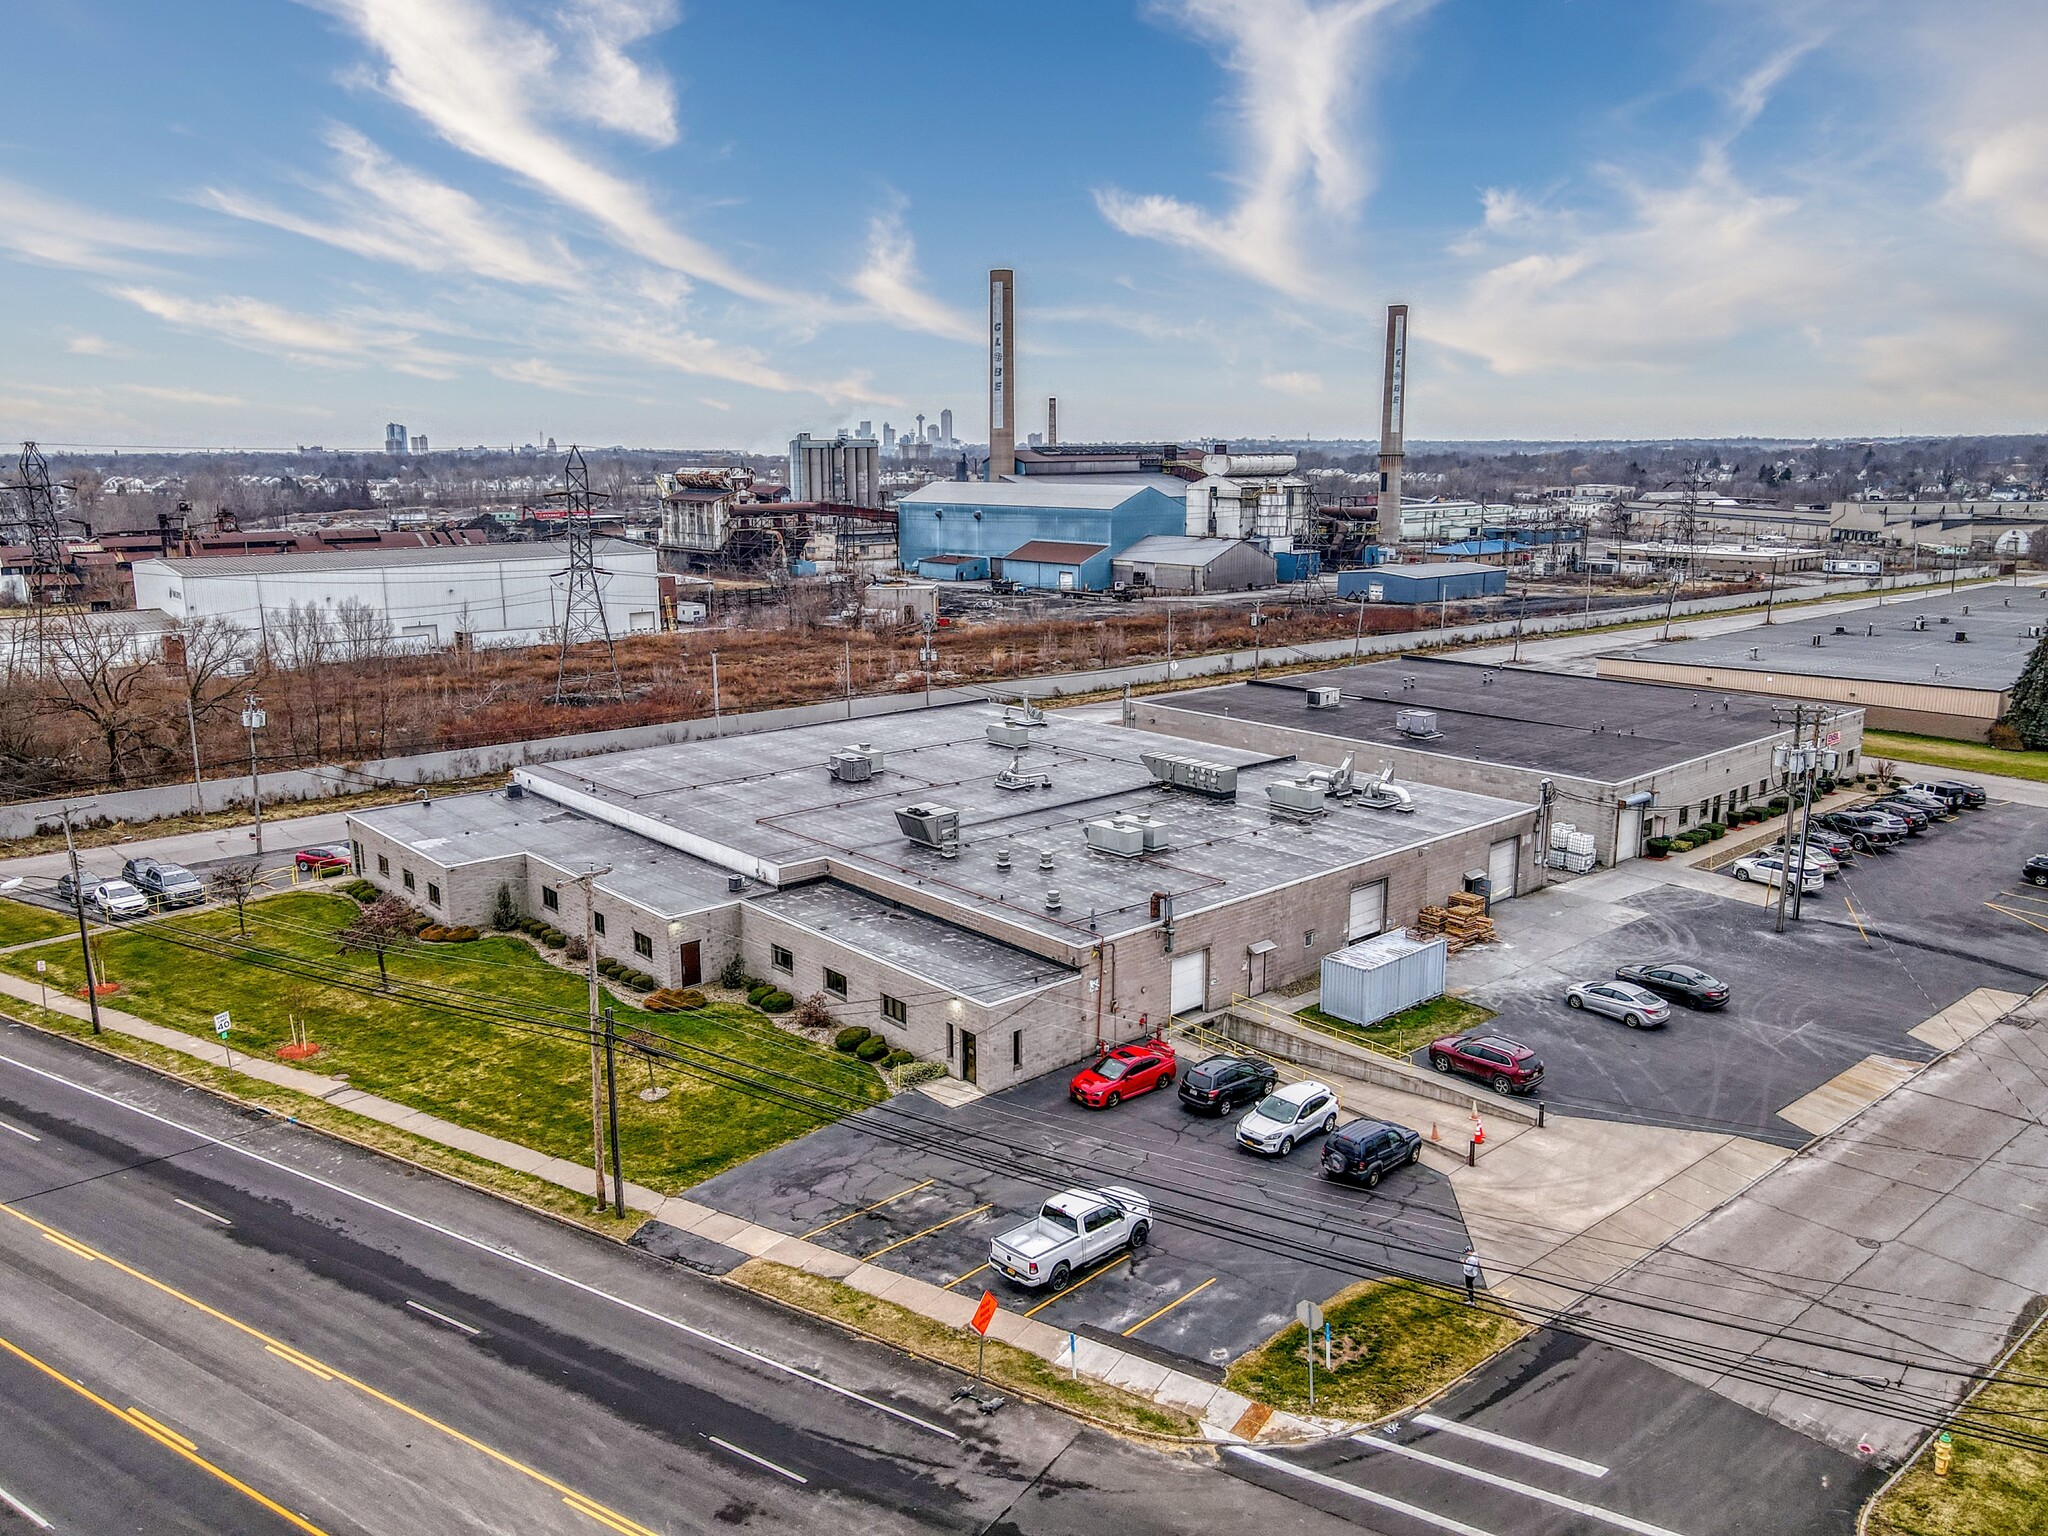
1350, 1490
1543, 1495
1509, 1443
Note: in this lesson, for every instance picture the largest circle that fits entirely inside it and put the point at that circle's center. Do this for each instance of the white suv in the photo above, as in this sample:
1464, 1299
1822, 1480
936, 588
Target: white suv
1288, 1115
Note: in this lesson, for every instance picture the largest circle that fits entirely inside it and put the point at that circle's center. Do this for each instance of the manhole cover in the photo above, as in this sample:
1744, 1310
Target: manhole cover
1220, 1356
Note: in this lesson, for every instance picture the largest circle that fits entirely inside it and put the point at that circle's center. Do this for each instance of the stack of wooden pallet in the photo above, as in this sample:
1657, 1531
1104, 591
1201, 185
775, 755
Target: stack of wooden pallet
1462, 921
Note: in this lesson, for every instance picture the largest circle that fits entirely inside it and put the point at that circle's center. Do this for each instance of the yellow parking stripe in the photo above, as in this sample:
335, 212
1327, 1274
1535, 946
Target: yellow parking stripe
841, 1221
968, 1276
927, 1232
1122, 1258
2008, 911
1184, 1296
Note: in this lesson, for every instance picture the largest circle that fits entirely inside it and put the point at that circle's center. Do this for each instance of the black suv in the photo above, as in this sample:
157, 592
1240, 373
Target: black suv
1916, 817
2036, 871
1865, 829
1958, 794
1367, 1150
1221, 1083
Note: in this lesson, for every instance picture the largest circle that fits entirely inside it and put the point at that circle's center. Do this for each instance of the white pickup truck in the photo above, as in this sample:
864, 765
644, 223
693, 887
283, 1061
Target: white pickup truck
1071, 1231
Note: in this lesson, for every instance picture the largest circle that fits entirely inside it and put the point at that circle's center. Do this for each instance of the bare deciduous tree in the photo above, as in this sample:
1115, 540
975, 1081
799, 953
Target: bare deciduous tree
95, 667
376, 929
235, 882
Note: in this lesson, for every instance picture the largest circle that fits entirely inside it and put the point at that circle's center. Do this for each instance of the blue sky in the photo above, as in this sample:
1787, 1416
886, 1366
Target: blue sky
641, 221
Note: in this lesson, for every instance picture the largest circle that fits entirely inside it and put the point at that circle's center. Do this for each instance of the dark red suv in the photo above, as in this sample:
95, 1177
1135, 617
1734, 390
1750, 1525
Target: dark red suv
1504, 1065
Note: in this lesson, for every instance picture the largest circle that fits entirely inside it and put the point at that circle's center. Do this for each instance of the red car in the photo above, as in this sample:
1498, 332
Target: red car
322, 857
1504, 1065
1123, 1072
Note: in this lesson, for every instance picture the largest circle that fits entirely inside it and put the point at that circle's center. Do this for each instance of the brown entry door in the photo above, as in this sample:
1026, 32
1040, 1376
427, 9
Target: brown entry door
967, 1054
689, 968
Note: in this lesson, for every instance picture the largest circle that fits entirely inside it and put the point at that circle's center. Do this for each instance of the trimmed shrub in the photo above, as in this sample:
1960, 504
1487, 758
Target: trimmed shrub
607, 966
1714, 829
638, 980
434, 933
576, 949
1657, 847
504, 910
898, 1057
756, 991
776, 1002
733, 974
910, 1074
361, 890
852, 1038
874, 1048
554, 938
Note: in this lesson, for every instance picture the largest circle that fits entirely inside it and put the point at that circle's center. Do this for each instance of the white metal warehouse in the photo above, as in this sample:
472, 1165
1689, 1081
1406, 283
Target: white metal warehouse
490, 594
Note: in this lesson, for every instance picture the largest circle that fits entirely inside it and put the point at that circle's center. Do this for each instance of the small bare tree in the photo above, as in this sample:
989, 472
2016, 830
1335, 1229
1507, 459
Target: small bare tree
235, 883
376, 929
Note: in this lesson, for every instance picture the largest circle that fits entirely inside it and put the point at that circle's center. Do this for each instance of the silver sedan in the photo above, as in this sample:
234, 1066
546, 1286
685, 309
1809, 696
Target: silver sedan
1635, 1006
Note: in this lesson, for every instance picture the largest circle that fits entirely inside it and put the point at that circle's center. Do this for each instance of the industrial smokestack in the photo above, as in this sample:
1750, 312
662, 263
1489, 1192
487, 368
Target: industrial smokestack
1002, 373
1052, 421
1390, 421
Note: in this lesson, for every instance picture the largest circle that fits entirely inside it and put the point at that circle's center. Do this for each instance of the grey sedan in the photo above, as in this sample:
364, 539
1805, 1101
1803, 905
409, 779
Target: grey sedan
1635, 1006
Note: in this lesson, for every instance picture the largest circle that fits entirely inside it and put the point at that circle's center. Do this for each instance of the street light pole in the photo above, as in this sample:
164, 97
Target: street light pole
92, 990
586, 881
254, 719
611, 1095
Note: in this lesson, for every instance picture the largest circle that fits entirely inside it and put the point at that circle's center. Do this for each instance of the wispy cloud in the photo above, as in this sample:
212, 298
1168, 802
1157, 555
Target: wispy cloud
1294, 382
497, 87
91, 346
181, 396
390, 212
267, 327
894, 289
51, 230
1300, 69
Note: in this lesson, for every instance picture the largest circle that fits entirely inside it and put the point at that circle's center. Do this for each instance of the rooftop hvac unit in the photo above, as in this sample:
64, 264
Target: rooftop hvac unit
1920, 622
1324, 698
2033, 633
929, 826
855, 764
1009, 733
1023, 714
1383, 794
1339, 781
1157, 836
1960, 636
1114, 836
1191, 773
1297, 798
1419, 723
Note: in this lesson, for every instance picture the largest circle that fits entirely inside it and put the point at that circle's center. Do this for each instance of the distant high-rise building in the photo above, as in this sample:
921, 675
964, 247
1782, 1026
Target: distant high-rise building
419, 444
888, 438
931, 433
946, 426
920, 426
551, 446
841, 469
1036, 440
395, 438
867, 429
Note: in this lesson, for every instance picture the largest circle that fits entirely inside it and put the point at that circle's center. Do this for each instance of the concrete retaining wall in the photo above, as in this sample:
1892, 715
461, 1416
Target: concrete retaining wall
1325, 1053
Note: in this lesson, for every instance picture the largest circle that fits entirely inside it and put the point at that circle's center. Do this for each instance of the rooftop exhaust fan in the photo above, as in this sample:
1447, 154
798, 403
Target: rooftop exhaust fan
1014, 777
930, 826
1383, 794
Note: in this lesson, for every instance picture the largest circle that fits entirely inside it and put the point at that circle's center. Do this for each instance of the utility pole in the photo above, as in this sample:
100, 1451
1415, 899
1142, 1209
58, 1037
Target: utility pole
611, 1094
92, 990
198, 784
849, 677
1257, 617
927, 653
1358, 640
1806, 816
1169, 645
1521, 614
587, 881
254, 719
1802, 763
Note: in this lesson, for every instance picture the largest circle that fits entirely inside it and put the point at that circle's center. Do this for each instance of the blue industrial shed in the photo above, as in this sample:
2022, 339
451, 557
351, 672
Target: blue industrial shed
1052, 565
953, 568
996, 519
1441, 581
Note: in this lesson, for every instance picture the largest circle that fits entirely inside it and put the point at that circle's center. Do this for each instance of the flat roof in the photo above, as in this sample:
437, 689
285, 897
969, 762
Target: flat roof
1179, 549
1054, 552
1429, 569
387, 555
1990, 660
468, 829
1083, 491
764, 805
1602, 729
972, 965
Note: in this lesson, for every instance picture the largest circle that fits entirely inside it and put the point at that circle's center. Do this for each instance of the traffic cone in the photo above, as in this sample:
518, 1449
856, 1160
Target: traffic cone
1478, 1132
1434, 1134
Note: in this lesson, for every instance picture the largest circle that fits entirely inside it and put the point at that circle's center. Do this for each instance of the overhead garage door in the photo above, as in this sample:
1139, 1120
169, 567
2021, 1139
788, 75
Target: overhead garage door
1502, 860
1191, 982
1628, 837
1368, 912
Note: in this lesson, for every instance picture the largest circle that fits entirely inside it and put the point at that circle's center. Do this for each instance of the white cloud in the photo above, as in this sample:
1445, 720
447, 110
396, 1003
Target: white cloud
58, 233
1300, 68
492, 84
1300, 385
180, 396
390, 212
91, 346
890, 282
267, 327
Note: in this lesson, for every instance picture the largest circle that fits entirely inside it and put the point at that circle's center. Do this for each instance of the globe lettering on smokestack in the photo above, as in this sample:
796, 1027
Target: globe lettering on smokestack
1002, 373
1390, 422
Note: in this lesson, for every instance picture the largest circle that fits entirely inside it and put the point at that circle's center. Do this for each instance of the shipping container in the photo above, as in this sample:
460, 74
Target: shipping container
1378, 977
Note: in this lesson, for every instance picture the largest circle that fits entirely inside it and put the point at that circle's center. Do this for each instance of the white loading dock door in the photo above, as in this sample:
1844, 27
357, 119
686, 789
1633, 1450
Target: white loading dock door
1190, 989
1368, 913
1502, 860
1628, 833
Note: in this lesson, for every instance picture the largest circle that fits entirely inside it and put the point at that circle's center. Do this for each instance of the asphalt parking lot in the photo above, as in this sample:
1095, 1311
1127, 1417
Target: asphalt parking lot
1197, 1293
1894, 939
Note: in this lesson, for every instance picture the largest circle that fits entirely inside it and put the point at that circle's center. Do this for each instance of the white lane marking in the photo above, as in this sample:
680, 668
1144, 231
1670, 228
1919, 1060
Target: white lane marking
24, 1135
1542, 1495
24, 1511
1509, 1443
759, 1461
443, 1317
529, 1265
1352, 1490
201, 1210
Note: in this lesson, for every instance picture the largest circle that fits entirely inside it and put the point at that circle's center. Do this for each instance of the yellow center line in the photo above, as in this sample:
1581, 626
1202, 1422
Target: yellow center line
166, 1438
850, 1215
597, 1513
157, 1427
307, 1362
1122, 1258
1184, 1296
927, 1232
293, 1357
968, 1276
76, 1250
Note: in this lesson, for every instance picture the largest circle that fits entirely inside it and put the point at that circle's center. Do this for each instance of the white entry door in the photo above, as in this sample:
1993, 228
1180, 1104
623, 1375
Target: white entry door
1628, 836
1502, 860
1191, 982
1368, 912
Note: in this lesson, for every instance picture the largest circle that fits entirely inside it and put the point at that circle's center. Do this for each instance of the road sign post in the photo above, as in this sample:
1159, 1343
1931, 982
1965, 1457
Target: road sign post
43, 982
984, 1314
221, 1025
1310, 1317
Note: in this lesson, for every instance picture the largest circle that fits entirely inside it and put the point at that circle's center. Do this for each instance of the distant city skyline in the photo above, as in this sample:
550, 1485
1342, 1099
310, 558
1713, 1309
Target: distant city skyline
280, 224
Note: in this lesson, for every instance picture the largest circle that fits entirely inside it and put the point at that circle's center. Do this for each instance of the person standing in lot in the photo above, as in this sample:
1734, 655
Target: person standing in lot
1471, 1271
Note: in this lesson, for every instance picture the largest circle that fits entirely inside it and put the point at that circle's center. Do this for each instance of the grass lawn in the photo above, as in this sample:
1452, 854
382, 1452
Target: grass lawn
1008, 1367
1408, 1030
520, 1081
1991, 1490
1394, 1343
21, 923
1963, 757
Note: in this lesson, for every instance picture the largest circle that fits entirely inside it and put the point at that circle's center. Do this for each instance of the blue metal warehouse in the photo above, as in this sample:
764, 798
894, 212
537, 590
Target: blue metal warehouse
1441, 581
995, 520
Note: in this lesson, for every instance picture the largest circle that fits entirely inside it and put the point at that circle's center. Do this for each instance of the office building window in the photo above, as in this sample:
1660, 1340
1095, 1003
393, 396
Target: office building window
383, 865
406, 876
551, 898
1016, 1047
949, 1039
781, 958
597, 923
892, 1008
433, 894
643, 945
835, 982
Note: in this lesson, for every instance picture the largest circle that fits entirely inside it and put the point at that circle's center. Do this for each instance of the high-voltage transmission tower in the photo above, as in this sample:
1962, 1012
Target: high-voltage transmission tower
588, 678
32, 520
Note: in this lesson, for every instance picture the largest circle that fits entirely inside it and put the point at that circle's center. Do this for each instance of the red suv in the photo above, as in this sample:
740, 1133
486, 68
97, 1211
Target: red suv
1504, 1065
1122, 1073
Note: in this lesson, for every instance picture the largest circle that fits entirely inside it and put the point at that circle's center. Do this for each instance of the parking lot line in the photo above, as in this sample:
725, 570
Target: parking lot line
1509, 1443
968, 1276
1613, 1517
2009, 912
927, 1232
842, 1220
1183, 1296
1368, 1495
1122, 1258
1856, 918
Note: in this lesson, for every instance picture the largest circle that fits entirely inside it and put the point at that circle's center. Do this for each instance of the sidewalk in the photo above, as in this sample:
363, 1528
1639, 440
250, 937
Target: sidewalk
1220, 1411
